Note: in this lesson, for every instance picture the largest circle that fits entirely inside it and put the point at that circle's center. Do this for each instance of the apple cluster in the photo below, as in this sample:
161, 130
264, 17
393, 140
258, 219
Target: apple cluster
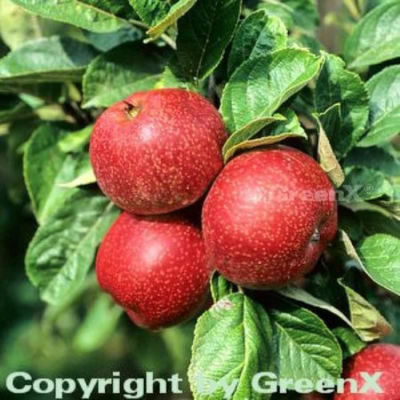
266, 216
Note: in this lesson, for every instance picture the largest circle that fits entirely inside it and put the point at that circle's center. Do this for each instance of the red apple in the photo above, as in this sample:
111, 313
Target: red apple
155, 268
157, 151
268, 217
384, 358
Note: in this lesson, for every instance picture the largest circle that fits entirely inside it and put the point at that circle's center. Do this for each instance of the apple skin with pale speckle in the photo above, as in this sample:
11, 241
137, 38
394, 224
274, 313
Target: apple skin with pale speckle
383, 358
268, 217
155, 267
157, 151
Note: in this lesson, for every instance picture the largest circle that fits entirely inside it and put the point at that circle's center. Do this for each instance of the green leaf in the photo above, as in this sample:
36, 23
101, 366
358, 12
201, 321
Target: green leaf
54, 59
374, 222
169, 79
278, 9
305, 13
384, 92
298, 294
17, 26
367, 184
85, 176
332, 117
351, 344
394, 315
350, 222
375, 158
74, 141
46, 166
177, 11
306, 41
121, 8
326, 156
161, 14
298, 15
291, 124
336, 85
376, 38
257, 35
241, 138
87, 14
99, 324
115, 75
380, 255
220, 287
12, 109
107, 41
204, 33
64, 248
278, 130
232, 341
367, 321
260, 86
391, 207
385, 207
389, 305
368, 5
45, 92
349, 256
306, 348
364, 319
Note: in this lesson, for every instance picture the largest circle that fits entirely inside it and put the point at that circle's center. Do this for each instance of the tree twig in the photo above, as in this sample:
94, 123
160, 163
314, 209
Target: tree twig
167, 39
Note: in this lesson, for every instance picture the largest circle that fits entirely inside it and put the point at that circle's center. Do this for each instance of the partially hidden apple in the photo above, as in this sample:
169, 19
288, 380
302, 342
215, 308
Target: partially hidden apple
268, 217
155, 268
374, 359
157, 151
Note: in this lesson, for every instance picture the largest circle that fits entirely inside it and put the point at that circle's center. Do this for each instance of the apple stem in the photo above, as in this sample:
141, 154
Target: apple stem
131, 110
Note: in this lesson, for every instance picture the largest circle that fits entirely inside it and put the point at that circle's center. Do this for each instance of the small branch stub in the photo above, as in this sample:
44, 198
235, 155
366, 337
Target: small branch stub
131, 110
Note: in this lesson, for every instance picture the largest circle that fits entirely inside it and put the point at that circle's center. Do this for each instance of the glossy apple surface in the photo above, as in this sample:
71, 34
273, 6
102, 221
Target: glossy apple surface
155, 268
157, 151
268, 217
384, 358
